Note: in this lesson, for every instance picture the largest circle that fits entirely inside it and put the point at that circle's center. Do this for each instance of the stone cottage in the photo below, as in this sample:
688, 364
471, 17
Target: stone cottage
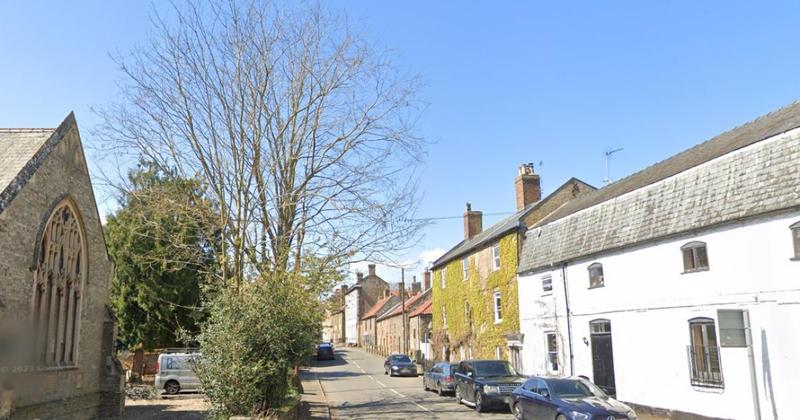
56, 329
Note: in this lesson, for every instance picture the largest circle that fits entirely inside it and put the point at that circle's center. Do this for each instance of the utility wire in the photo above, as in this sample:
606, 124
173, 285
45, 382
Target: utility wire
503, 213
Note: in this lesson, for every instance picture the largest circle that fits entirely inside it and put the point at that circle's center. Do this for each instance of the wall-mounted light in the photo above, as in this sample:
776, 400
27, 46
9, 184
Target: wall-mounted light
585, 341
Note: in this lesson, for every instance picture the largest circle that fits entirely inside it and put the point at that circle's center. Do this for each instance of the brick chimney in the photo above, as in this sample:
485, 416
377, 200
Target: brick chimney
371, 268
528, 187
415, 287
473, 222
359, 276
426, 280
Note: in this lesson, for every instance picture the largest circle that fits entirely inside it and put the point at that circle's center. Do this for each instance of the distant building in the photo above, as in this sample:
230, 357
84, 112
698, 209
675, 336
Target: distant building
658, 286
369, 330
419, 323
390, 326
475, 313
57, 332
333, 326
357, 299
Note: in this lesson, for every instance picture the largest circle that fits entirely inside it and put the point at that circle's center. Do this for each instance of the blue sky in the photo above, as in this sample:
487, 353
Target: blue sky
505, 82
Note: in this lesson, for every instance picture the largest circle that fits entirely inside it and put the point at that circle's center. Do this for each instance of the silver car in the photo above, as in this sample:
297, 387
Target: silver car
176, 373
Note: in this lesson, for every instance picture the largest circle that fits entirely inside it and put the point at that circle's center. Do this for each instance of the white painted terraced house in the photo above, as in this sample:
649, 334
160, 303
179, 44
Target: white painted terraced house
678, 287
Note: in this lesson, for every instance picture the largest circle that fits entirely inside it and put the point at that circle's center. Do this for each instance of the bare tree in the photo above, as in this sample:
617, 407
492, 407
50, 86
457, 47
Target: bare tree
303, 134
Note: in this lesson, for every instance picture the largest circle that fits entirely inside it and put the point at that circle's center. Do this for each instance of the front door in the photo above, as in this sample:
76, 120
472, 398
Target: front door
603, 355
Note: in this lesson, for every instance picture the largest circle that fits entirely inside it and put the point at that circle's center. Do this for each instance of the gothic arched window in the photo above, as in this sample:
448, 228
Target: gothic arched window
59, 278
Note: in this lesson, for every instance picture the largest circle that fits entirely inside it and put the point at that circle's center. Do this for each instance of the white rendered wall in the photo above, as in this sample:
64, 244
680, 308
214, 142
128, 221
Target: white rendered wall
649, 301
351, 316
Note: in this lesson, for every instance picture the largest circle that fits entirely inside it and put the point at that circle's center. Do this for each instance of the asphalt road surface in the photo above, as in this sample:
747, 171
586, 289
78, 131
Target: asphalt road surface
356, 388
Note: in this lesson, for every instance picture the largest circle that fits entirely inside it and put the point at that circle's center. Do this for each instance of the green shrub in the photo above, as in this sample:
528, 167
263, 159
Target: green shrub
253, 339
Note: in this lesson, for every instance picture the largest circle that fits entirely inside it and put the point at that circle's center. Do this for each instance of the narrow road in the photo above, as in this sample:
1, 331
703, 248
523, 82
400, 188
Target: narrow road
357, 388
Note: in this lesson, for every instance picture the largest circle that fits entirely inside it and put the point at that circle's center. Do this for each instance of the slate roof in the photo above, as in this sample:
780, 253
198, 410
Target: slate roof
383, 303
497, 230
706, 185
425, 309
22, 150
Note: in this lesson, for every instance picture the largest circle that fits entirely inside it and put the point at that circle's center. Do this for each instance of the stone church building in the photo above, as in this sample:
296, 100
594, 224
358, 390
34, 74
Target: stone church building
56, 331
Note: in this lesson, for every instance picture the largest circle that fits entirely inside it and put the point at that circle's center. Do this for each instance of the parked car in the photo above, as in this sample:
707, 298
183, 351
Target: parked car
175, 373
325, 352
486, 383
399, 364
565, 399
440, 378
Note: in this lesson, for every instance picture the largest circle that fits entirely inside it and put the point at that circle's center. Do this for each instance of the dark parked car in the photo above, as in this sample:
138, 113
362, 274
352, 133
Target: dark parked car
325, 352
399, 364
565, 399
486, 383
440, 378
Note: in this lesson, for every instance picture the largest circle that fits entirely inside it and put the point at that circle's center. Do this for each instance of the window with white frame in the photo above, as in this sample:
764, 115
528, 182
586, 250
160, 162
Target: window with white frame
443, 277
498, 306
547, 284
464, 268
551, 344
444, 317
695, 257
596, 278
496, 256
498, 353
704, 357
795, 229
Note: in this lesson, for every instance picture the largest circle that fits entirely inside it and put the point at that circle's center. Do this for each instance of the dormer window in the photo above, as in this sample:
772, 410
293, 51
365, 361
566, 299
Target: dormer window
795, 228
596, 278
695, 257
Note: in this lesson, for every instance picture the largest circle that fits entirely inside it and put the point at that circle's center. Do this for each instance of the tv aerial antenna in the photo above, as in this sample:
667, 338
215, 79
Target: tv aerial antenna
608, 153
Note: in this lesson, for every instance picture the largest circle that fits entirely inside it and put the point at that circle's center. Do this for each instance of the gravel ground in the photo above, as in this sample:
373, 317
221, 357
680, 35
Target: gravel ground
182, 407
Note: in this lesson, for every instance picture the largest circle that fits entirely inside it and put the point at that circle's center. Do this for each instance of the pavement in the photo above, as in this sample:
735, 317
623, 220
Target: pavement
355, 387
184, 407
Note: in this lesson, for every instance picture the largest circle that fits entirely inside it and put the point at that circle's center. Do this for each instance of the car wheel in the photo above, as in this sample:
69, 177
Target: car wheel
439, 389
518, 412
172, 387
479, 402
424, 385
458, 394
391, 373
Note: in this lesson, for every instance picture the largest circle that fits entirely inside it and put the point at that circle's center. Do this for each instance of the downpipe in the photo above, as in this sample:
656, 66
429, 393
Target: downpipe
569, 319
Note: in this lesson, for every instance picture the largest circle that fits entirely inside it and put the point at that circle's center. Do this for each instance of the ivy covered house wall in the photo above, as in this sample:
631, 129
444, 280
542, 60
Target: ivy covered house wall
474, 292
468, 303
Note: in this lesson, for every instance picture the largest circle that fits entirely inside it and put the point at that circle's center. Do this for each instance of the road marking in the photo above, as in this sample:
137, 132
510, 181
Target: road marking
395, 391
415, 403
380, 383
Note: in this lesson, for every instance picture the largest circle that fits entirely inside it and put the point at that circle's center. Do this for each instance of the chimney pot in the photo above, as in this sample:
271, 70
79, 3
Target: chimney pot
528, 186
415, 287
473, 222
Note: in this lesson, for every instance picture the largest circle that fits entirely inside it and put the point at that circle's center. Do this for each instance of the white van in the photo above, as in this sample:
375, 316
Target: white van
176, 373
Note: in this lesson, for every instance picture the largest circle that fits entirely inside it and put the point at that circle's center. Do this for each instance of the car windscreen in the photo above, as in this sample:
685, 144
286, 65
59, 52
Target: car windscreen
573, 388
488, 369
450, 369
400, 359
